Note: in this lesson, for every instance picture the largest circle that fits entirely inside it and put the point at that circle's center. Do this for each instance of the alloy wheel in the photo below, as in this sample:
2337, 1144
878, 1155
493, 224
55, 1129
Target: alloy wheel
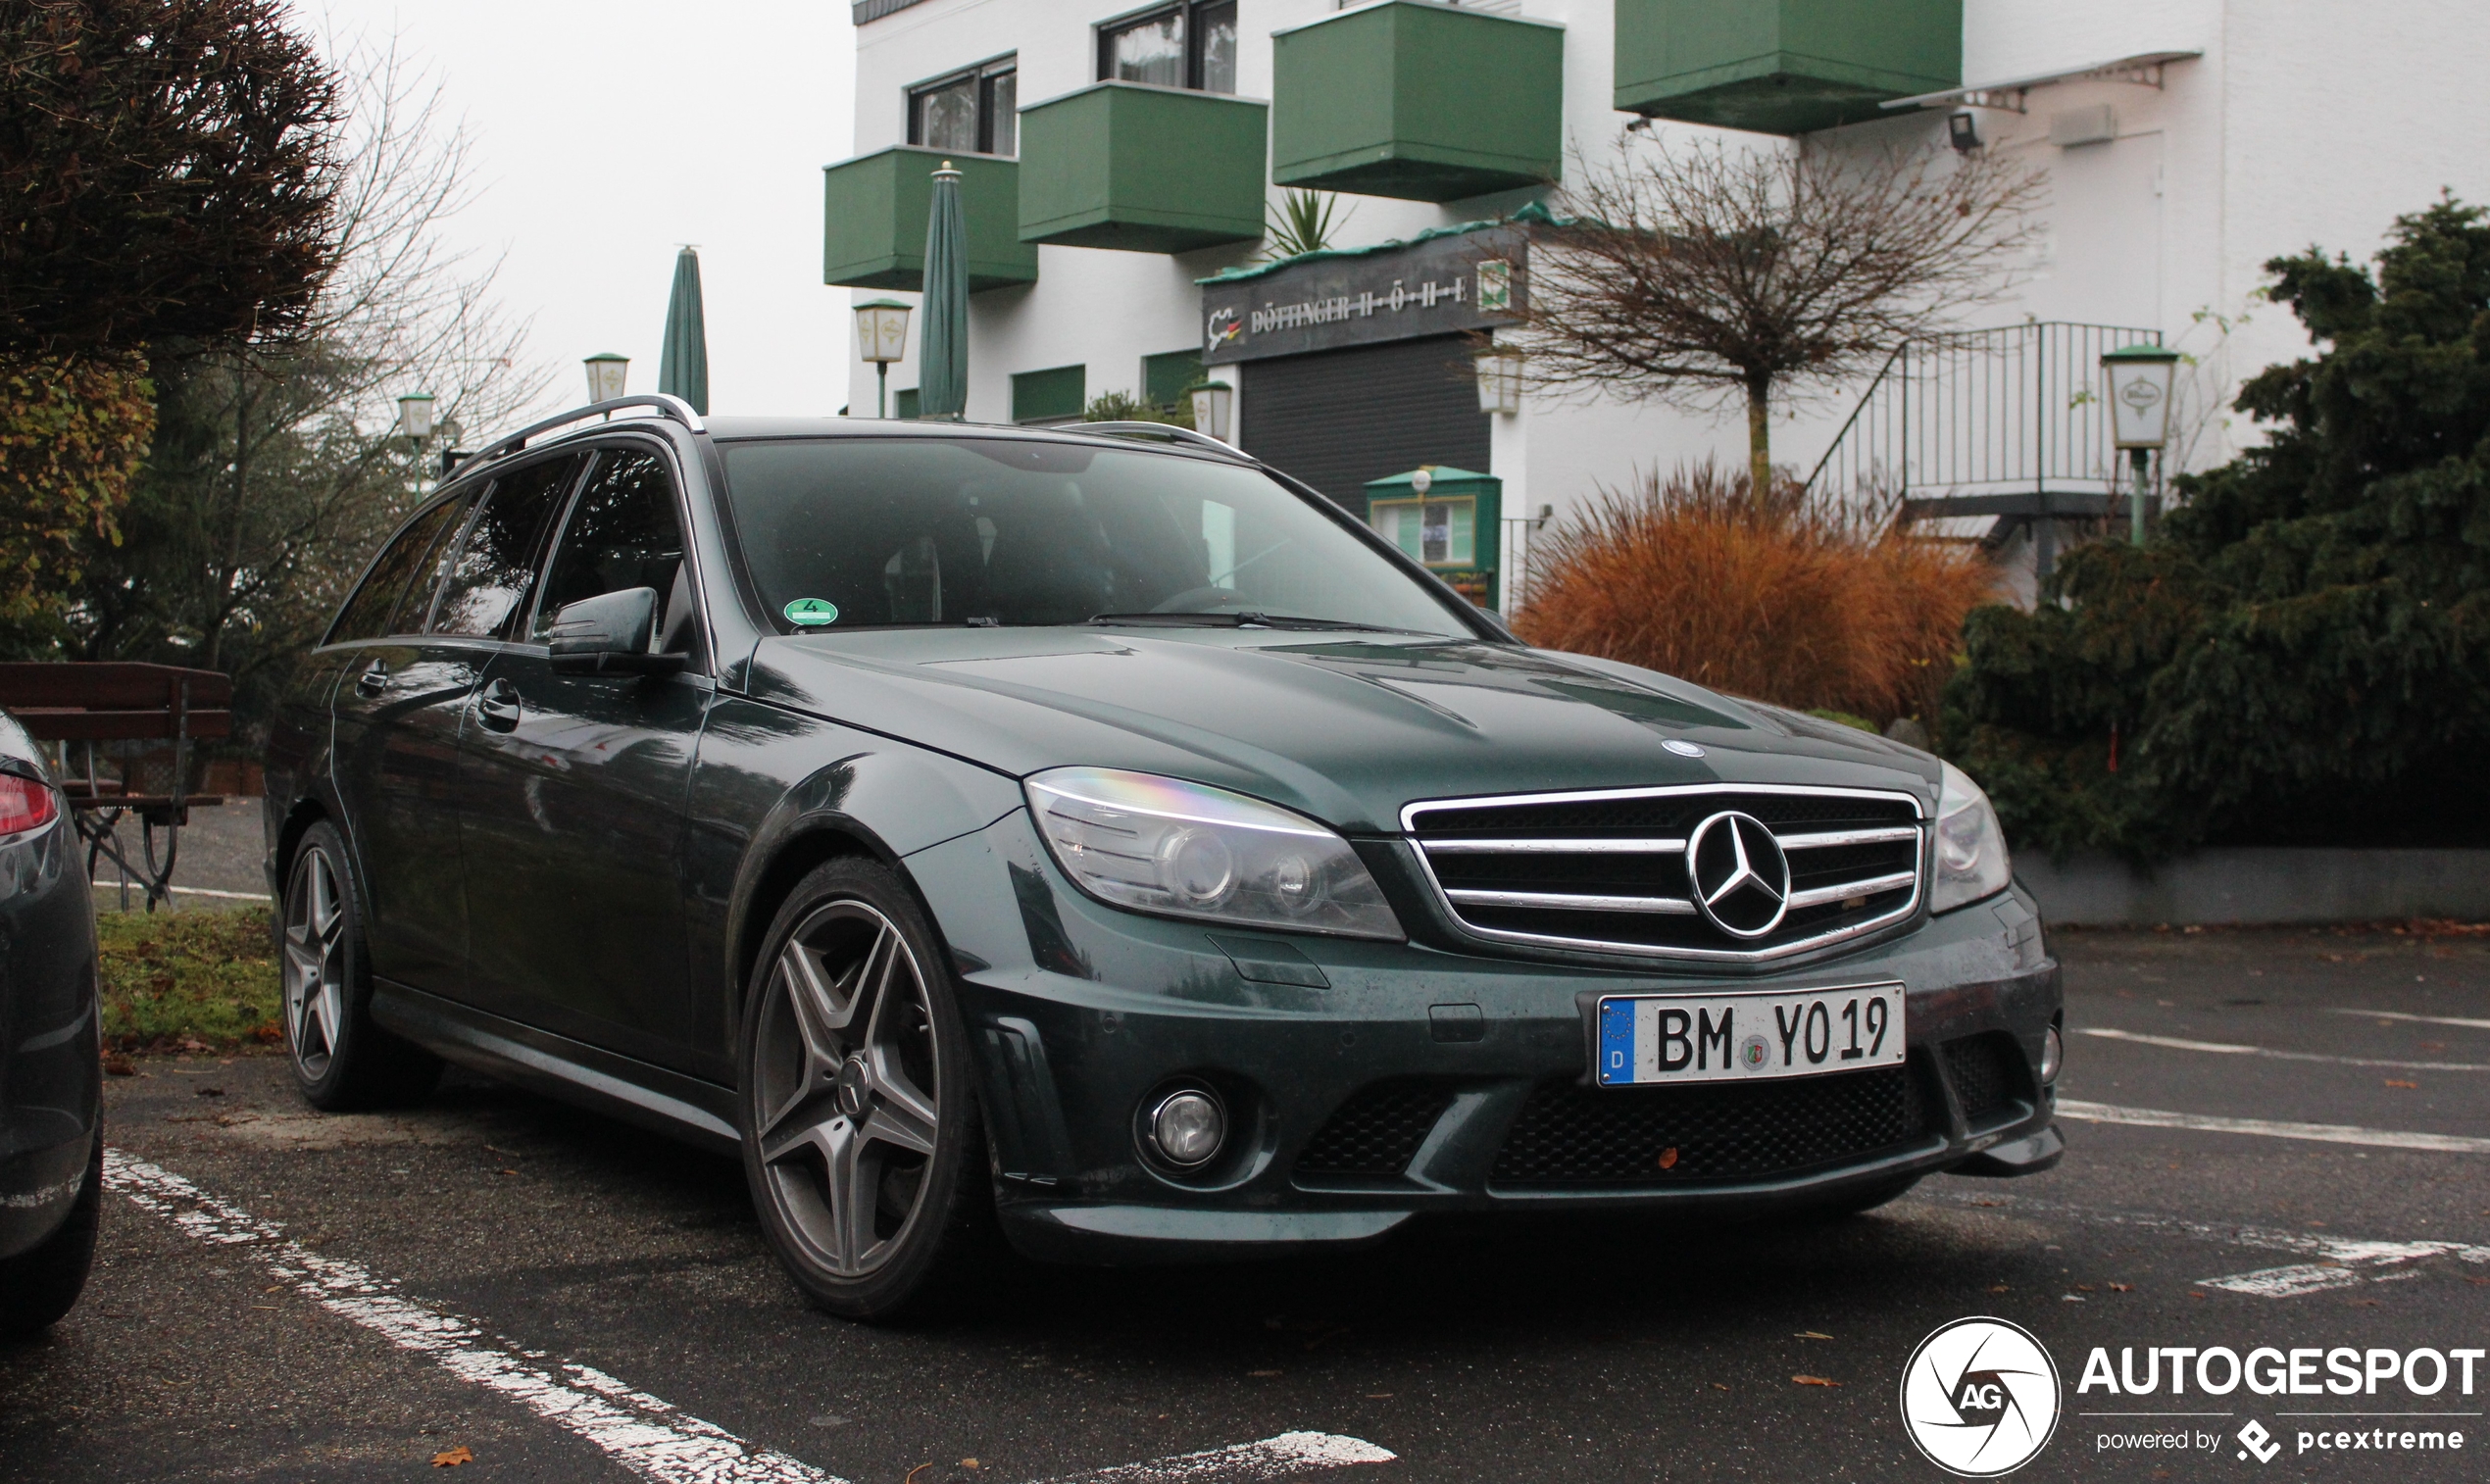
846, 1093
315, 963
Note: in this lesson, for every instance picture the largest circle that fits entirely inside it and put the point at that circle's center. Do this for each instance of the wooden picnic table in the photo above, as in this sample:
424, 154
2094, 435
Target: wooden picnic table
120, 701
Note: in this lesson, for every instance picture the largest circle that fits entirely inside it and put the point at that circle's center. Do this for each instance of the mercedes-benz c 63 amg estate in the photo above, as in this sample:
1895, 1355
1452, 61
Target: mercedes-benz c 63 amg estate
1093, 835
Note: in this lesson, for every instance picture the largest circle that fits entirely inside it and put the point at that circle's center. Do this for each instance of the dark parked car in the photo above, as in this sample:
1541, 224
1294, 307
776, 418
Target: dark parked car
51, 1060
1095, 834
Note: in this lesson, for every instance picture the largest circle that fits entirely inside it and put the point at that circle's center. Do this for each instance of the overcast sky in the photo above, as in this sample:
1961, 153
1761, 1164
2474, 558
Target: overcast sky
605, 134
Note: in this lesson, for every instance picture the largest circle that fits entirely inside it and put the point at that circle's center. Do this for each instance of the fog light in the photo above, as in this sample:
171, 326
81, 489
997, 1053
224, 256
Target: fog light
1187, 1127
2052, 1055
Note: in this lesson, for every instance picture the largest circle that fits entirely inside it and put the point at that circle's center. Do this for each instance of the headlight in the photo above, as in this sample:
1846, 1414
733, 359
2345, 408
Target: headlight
1167, 846
1972, 858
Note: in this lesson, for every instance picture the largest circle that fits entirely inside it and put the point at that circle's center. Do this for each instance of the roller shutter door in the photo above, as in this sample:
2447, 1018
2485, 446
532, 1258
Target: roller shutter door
1340, 418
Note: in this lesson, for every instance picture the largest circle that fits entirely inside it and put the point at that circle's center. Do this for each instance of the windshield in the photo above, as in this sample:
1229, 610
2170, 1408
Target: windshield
849, 533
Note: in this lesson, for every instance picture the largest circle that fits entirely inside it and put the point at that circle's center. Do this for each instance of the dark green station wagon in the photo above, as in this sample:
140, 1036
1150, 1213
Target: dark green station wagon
1094, 835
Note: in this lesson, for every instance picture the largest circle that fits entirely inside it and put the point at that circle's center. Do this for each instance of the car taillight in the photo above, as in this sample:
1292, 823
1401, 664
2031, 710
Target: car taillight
25, 803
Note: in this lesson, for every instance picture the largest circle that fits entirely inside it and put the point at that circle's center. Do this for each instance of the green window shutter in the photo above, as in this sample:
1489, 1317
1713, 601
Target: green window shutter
1048, 396
903, 404
1463, 540
1163, 378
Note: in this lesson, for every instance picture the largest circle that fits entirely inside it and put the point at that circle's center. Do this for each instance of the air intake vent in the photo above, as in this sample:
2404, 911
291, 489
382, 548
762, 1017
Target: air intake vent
1376, 1133
1988, 1074
1573, 1136
1716, 874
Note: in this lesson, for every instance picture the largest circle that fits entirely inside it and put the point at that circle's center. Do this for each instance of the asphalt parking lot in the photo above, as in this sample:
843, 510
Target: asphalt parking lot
562, 1298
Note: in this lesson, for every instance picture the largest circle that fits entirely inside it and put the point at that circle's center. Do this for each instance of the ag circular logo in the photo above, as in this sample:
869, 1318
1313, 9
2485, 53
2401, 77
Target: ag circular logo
1980, 1397
1741, 878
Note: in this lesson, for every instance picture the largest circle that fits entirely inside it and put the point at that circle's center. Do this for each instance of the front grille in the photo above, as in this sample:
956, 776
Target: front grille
1987, 1073
1611, 870
1570, 1135
1377, 1132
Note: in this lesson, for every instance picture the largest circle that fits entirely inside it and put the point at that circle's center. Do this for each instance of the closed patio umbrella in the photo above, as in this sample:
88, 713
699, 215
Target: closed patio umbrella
942, 372
682, 367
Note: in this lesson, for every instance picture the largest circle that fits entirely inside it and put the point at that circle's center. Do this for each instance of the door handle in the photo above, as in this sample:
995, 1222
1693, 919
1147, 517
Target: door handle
374, 681
498, 707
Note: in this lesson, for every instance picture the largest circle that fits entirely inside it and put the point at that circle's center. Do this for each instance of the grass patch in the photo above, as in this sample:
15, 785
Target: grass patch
189, 980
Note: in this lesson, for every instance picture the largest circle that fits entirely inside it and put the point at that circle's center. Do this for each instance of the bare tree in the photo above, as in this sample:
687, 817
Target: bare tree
276, 469
1697, 274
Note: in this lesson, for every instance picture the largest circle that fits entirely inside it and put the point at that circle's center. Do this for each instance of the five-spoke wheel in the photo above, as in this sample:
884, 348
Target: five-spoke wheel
316, 963
859, 1128
341, 1059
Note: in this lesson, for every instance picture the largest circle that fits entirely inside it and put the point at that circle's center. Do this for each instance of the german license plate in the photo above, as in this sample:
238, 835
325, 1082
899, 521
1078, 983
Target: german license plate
1750, 1037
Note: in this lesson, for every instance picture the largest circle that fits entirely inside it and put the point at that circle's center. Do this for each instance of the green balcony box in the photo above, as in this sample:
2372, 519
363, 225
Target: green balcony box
1144, 168
1782, 66
1422, 102
873, 220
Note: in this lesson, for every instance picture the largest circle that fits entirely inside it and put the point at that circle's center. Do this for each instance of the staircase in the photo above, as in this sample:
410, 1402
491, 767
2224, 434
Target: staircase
2006, 423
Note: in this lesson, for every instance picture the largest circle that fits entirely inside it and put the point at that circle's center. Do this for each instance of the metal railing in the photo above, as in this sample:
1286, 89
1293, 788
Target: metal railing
1975, 419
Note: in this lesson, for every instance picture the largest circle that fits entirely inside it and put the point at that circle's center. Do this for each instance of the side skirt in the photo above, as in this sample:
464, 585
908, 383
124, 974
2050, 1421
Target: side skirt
700, 1114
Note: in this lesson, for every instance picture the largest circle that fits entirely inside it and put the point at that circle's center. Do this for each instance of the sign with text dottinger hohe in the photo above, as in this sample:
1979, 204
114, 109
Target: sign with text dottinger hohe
1433, 286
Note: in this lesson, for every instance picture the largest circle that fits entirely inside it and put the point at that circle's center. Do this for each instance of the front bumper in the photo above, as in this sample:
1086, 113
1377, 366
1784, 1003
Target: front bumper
1371, 1082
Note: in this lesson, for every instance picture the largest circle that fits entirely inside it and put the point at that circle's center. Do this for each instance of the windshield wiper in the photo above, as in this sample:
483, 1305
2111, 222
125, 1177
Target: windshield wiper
1248, 620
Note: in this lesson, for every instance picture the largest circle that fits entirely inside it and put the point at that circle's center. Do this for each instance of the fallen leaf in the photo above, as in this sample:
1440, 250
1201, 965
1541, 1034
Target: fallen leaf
2196, 1293
970, 1463
2399, 1082
1717, 1386
1262, 1373
1668, 1158
2122, 1288
1378, 1395
273, 1288
2084, 1287
211, 1092
1809, 1334
120, 1066
912, 1473
1814, 1381
2000, 1288
453, 1458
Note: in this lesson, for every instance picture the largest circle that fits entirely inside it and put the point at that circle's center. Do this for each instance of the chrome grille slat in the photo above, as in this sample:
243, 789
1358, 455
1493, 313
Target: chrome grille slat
1610, 871
1557, 901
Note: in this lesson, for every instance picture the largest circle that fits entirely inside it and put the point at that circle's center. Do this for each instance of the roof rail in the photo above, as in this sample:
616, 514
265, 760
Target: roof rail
1164, 431
667, 404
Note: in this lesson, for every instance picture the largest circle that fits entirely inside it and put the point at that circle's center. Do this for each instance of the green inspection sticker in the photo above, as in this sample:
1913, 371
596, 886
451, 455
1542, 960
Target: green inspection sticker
810, 613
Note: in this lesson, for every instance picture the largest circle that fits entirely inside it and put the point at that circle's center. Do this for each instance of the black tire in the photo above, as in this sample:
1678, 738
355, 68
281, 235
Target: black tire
828, 1110
342, 1061
39, 1285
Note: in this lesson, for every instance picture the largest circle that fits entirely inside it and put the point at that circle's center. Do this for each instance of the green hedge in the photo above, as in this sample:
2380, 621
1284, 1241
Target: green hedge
2302, 653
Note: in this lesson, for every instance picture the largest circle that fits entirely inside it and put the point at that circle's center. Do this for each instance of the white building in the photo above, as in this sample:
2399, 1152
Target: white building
2185, 141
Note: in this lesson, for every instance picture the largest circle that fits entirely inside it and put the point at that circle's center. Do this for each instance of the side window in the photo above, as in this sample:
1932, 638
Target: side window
373, 611
489, 579
622, 533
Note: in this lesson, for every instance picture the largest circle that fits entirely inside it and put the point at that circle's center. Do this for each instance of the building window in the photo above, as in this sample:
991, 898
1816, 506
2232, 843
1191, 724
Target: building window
971, 113
903, 404
1050, 396
1437, 532
1192, 44
1163, 378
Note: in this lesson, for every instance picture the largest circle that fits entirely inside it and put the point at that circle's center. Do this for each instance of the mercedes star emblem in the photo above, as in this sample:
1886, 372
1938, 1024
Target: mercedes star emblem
1741, 878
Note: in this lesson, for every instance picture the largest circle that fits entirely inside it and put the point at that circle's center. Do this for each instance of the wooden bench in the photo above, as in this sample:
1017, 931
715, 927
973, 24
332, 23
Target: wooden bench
115, 701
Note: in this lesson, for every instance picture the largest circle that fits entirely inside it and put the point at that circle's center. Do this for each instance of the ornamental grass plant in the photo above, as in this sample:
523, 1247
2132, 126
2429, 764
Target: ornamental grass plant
1793, 599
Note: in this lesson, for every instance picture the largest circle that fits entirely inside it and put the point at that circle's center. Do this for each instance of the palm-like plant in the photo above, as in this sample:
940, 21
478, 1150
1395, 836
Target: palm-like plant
1303, 221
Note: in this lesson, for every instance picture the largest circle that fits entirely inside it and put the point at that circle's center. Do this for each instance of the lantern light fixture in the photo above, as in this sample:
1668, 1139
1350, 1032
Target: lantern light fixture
1214, 408
881, 337
2140, 379
415, 416
1499, 381
606, 373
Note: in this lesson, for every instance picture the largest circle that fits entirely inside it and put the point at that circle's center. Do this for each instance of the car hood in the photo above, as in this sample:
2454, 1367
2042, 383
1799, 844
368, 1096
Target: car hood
1346, 729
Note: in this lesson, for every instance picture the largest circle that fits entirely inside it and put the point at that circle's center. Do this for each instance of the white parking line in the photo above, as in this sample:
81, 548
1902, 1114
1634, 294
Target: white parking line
2342, 1261
2231, 1049
2391, 1014
652, 1438
2322, 1133
1277, 1458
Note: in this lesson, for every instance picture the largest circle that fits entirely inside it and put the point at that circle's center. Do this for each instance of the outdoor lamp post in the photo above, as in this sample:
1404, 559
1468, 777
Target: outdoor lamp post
2140, 378
415, 418
1213, 404
881, 337
1500, 381
605, 376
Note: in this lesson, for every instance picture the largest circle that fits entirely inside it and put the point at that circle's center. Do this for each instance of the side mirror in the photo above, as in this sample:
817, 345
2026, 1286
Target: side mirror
609, 635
